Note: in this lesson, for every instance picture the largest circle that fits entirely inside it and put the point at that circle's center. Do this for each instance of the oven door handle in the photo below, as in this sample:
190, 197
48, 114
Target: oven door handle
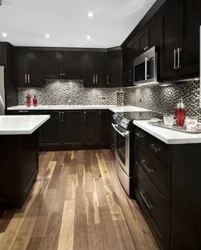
119, 132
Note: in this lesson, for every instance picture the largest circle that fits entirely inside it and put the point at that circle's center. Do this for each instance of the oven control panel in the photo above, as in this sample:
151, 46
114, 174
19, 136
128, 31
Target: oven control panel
123, 122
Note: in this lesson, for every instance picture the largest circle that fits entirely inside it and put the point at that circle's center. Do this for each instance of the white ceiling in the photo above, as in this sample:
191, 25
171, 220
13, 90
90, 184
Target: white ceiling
26, 21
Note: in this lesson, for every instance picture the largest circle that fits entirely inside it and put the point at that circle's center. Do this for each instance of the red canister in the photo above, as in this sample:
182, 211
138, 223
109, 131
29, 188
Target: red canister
28, 100
180, 113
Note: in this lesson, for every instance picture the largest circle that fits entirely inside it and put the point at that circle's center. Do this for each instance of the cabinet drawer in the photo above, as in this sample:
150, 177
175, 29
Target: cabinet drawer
153, 201
140, 138
159, 150
156, 171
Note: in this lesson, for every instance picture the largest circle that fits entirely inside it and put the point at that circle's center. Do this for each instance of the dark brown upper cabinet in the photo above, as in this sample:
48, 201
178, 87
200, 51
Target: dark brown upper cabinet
27, 68
180, 44
95, 69
63, 65
115, 68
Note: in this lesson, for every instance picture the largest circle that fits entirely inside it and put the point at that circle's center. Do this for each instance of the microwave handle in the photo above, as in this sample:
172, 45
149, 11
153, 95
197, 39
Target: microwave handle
146, 60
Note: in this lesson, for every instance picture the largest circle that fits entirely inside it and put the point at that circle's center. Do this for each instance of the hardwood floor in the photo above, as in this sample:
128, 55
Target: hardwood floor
77, 203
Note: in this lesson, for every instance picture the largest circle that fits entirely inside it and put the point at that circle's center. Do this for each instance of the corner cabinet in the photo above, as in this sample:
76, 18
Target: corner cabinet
27, 68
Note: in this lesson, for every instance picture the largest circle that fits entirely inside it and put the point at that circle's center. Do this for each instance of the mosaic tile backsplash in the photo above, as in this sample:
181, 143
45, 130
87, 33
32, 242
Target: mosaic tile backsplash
67, 92
156, 98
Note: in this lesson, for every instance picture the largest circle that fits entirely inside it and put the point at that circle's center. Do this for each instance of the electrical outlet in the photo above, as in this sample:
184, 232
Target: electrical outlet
103, 98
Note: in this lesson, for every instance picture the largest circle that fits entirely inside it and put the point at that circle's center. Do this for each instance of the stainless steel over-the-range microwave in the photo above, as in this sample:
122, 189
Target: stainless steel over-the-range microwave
145, 67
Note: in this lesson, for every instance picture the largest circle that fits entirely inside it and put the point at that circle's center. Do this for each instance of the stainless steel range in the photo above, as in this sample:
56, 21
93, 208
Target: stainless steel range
124, 148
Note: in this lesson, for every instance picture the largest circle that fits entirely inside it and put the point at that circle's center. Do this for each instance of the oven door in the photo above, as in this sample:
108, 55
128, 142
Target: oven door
122, 148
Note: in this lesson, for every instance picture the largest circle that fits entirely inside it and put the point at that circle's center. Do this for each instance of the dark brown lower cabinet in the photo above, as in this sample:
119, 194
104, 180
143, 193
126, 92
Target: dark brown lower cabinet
74, 129
167, 188
18, 167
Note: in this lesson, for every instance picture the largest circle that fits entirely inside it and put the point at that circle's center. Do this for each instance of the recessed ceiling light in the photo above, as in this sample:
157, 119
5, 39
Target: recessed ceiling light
90, 14
88, 37
4, 34
47, 36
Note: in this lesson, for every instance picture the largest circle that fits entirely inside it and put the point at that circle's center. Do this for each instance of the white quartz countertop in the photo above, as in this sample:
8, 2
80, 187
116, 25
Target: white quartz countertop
21, 125
113, 108
168, 136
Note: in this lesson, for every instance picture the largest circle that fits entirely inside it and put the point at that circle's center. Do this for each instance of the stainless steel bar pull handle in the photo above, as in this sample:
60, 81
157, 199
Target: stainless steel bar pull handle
85, 116
146, 59
96, 79
150, 206
62, 116
139, 135
25, 78
156, 149
175, 54
179, 58
119, 132
93, 79
28, 78
143, 162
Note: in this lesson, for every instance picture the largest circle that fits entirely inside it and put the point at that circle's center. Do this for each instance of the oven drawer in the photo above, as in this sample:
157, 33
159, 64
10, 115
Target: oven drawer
156, 171
153, 201
158, 149
140, 138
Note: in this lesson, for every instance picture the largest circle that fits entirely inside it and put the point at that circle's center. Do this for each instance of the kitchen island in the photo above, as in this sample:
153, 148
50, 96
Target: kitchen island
19, 157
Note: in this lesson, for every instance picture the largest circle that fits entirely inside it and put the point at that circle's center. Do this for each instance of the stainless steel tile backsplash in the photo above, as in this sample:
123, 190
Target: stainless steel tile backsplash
156, 98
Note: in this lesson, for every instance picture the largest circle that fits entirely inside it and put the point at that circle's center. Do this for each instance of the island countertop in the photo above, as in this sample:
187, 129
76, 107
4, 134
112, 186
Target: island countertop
168, 136
21, 124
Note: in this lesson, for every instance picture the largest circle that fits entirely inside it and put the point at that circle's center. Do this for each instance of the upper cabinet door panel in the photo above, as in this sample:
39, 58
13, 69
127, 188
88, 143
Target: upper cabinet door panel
74, 65
190, 42
115, 68
89, 70
20, 66
143, 41
53, 65
154, 34
101, 68
170, 25
35, 68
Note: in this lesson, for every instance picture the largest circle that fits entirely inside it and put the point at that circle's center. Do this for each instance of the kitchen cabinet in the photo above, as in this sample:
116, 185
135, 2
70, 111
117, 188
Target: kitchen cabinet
115, 68
50, 133
168, 191
180, 39
91, 127
104, 127
95, 69
79, 129
27, 68
72, 128
63, 65
127, 67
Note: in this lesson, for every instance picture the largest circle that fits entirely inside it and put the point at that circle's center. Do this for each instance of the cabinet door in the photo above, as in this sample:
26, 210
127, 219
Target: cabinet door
104, 127
135, 49
72, 133
101, 69
89, 70
53, 65
170, 25
190, 43
20, 69
154, 32
35, 68
115, 68
91, 127
51, 130
74, 65
143, 42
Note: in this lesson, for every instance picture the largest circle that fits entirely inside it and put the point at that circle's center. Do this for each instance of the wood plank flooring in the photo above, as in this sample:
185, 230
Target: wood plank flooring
77, 203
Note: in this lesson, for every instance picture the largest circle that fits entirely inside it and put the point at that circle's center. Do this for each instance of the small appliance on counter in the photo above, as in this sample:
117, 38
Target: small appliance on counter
124, 140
